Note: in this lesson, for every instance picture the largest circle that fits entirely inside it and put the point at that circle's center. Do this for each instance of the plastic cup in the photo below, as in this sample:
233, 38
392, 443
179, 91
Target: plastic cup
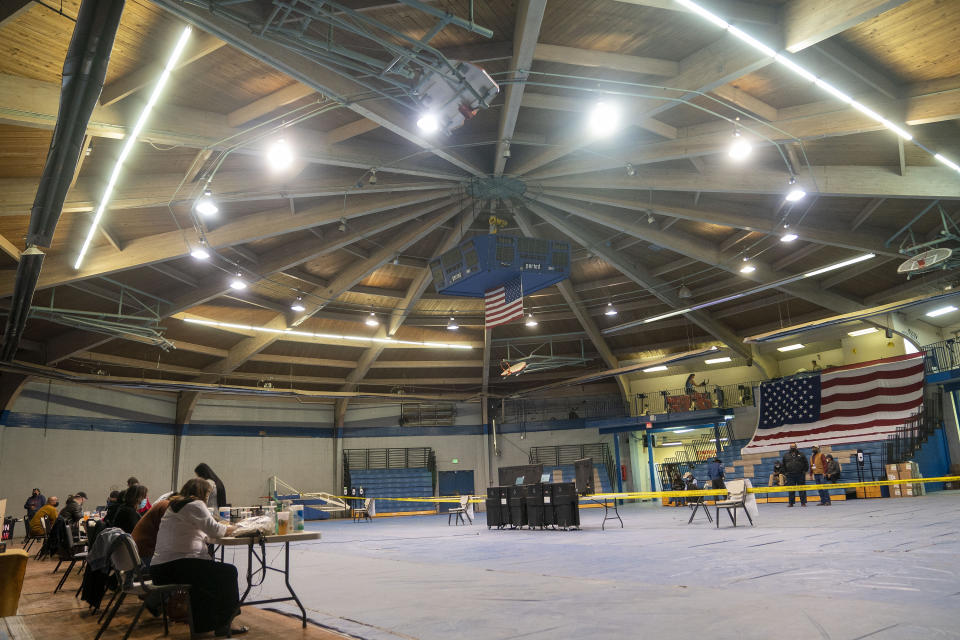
283, 523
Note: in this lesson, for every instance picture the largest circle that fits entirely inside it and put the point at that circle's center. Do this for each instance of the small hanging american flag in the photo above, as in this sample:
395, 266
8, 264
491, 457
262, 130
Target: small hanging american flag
503, 304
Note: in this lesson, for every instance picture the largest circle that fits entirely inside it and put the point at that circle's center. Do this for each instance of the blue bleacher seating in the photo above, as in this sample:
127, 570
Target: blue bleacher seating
395, 483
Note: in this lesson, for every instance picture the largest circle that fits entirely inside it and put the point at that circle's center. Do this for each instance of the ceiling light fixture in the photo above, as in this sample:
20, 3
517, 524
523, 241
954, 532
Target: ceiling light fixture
790, 347
428, 123
131, 138
788, 237
237, 284
747, 268
298, 305
328, 336
671, 444
373, 176
604, 119
452, 324
631, 170
610, 310
205, 205
200, 252
862, 332
684, 292
506, 149
650, 218
531, 321
371, 320
947, 161
342, 227
941, 311
670, 314
839, 265
280, 155
659, 367
795, 193
796, 68
718, 360
739, 149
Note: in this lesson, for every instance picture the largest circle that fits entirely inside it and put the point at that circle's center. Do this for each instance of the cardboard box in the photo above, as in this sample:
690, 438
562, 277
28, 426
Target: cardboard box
869, 492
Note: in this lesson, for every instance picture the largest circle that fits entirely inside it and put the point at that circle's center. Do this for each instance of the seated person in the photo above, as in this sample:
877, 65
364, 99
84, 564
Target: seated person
181, 557
777, 478
144, 504
72, 511
113, 503
145, 533
49, 510
126, 516
33, 503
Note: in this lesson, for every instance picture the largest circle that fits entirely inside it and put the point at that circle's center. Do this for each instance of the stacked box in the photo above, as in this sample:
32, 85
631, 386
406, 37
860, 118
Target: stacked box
893, 473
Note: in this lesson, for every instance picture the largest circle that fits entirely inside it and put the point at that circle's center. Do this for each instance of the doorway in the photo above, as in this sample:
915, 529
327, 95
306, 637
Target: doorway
454, 483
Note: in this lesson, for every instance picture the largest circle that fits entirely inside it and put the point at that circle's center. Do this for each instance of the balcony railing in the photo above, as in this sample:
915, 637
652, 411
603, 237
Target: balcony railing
942, 356
708, 396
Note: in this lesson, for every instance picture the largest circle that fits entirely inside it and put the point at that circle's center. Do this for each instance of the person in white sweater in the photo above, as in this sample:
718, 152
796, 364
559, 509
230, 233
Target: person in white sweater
181, 557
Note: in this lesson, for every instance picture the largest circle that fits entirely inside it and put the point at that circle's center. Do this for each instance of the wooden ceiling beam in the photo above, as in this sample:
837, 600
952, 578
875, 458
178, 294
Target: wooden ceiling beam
33, 103
166, 246
748, 219
268, 103
335, 87
797, 255
9, 248
731, 10
807, 22
175, 274
534, 100
10, 9
529, 15
842, 58
746, 101
866, 212
604, 60
198, 47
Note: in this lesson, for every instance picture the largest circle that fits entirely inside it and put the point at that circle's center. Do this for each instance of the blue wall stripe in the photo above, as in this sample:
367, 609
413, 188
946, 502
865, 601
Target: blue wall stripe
76, 423
86, 405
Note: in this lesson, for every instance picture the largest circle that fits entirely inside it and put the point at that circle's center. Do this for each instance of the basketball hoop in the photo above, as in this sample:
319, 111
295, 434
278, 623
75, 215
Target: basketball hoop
925, 261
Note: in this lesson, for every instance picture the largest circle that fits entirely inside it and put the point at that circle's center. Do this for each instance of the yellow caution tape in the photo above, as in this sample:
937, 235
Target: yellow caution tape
646, 495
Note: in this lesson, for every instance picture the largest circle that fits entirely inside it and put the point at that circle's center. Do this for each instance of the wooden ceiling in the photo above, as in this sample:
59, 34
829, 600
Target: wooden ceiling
687, 218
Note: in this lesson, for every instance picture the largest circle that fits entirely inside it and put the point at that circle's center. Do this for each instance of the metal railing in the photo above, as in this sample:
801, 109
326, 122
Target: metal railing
521, 410
704, 397
557, 455
942, 356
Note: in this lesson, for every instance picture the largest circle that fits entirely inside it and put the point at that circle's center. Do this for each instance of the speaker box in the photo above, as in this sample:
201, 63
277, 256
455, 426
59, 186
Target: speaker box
518, 505
535, 508
498, 507
566, 505
584, 475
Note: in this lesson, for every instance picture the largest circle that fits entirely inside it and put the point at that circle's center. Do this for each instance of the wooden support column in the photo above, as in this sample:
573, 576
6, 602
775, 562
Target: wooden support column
11, 384
186, 403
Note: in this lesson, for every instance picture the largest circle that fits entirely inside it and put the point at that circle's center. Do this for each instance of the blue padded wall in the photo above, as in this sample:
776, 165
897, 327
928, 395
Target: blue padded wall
395, 483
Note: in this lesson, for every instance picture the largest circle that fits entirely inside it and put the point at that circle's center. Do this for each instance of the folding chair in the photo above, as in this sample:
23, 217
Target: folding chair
72, 552
362, 513
126, 561
42, 552
460, 511
736, 498
29, 537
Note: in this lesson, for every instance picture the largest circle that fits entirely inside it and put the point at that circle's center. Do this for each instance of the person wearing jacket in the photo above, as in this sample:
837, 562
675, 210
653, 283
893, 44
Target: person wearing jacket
777, 479
795, 467
33, 503
126, 516
72, 511
818, 470
715, 473
49, 510
831, 474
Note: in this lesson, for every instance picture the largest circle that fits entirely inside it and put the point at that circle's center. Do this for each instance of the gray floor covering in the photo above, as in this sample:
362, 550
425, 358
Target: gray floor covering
877, 569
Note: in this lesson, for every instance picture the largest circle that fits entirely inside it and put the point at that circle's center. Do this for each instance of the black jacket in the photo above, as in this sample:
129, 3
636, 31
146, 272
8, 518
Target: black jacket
72, 512
126, 518
833, 469
795, 463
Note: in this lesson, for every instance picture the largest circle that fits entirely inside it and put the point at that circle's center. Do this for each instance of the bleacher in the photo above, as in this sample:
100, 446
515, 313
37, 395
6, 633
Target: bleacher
566, 473
395, 483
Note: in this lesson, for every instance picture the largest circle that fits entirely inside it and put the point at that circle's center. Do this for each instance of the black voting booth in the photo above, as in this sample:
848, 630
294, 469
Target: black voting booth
529, 502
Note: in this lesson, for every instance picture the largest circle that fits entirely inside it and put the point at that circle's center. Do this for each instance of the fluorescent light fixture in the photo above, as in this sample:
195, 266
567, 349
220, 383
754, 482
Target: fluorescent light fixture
280, 155
740, 149
747, 268
941, 311
452, 325
428, 123
790, 347
729, 416
839, 265
206, 206
371, 320
130, 140
298, 305
237, 284
681, 430
531, 321
659, 367
200, 253
721, 439
862, 332
947, 161
667, 315
611, 310
788, 237
329, 336
671, 444
604, 119
718, 360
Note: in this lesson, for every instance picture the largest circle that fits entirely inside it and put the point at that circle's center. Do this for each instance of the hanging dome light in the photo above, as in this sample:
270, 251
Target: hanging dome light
795, 193
280, 155
452, 324
237, 284
205, 205
371, 320
200, 251
531, 321
298, 305
684, 292
610, 310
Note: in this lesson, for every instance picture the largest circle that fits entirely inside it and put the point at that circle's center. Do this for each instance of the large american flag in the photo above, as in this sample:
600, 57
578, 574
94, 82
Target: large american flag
503, 304
855, 403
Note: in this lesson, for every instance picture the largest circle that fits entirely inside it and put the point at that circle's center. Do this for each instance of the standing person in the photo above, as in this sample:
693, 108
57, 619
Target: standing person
795, 466
72, 511
218, 494
181, 557
49, 510
832, 473
33, 503
818, 470
715, 472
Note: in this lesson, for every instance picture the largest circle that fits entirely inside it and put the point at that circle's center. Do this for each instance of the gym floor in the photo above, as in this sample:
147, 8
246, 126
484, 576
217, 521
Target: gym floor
873, 569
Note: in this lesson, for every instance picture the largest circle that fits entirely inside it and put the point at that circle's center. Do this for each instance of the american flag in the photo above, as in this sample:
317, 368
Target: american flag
503, 304
855, 403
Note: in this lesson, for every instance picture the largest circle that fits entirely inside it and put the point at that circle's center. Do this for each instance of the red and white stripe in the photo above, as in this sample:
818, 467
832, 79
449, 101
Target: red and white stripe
858, 403
497, 311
